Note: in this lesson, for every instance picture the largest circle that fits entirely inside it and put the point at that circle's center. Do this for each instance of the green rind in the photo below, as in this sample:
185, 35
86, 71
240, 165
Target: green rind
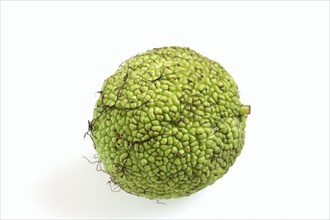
168, 123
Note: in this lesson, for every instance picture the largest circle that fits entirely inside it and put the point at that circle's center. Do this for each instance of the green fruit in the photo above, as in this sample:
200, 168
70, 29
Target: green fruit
168, 123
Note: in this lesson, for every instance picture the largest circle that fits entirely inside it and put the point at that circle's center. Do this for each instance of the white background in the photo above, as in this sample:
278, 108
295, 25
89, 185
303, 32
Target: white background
55, 56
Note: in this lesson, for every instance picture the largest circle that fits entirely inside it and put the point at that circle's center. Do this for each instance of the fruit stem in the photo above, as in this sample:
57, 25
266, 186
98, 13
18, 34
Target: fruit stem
245, 110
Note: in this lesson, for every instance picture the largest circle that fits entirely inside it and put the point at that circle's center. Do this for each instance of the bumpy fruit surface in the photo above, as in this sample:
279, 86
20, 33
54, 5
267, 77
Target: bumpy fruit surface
168, 123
